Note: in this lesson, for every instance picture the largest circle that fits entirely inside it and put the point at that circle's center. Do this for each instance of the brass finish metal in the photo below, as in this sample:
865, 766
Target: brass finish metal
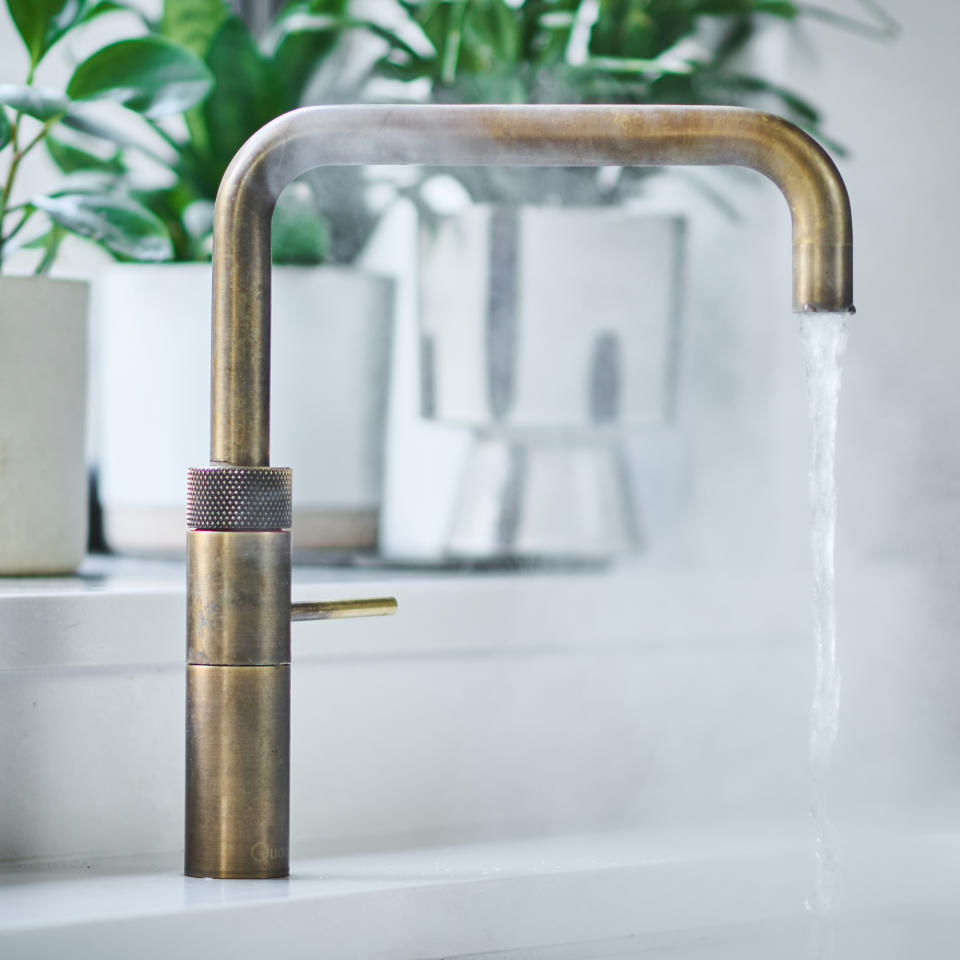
338, 609
488, 134
238, 699
239, 498
239, 610
238, 771
238, 605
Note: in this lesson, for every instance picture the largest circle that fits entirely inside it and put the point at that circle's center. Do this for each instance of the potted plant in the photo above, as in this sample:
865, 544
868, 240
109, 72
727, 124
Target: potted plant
483, 357
43, 322
156, 357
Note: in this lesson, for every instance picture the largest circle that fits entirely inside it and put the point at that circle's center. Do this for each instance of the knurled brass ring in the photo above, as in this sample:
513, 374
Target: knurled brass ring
239, 498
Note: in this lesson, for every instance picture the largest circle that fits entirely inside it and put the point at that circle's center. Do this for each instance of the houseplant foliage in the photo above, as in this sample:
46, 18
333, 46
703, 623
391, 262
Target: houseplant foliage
297, 58
254, 81
145, 79
596, 51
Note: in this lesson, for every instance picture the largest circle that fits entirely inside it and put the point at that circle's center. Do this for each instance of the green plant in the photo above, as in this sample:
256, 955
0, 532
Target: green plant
596, 51
147, 78
254, 82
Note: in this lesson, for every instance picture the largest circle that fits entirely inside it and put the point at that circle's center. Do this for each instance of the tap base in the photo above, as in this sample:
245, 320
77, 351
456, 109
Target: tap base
238, 771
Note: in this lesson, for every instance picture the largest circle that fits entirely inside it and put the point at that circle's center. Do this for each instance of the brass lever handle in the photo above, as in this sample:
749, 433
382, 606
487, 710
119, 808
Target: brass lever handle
338, 609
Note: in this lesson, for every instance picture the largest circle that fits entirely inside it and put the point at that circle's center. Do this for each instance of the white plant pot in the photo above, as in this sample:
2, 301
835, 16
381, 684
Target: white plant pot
43, 405
550, 331
556, 318
329, 375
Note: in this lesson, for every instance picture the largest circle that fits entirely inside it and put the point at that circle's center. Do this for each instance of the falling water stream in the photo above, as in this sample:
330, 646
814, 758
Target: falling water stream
824, 340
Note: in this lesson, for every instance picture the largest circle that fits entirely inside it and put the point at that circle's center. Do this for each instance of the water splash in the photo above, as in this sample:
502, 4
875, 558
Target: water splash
824, 341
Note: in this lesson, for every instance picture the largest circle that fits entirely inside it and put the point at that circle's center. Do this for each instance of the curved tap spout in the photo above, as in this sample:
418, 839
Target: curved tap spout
495, 135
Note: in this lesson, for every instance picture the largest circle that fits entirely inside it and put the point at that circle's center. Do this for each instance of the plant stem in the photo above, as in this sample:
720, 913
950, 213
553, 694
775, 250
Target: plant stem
55, 238
166, 137
14, 163
28, 212
44, 130
451, 47
15, 158
11, 173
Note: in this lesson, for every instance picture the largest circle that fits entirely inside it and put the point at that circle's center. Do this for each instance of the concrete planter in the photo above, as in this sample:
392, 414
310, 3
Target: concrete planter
549, 331
43, 405
330, 361
556, 318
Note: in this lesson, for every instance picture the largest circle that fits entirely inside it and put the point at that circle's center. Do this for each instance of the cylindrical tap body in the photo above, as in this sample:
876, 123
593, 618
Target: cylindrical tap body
238, 679
238, 771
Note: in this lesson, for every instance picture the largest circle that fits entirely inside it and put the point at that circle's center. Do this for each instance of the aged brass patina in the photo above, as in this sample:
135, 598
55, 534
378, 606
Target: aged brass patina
338, 609
238, 771
238, 699
473, 135
238, 702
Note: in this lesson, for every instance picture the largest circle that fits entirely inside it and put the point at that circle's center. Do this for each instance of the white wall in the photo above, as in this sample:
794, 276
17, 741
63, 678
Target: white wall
899, 463
742, 413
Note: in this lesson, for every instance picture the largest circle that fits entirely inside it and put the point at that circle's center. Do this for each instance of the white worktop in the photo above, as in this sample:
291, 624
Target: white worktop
621, 704
618, 895
419, 903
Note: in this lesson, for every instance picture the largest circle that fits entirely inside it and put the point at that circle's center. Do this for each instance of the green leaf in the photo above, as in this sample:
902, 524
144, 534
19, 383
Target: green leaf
51, 244
800, 109
126, 130
47, 105
150, 75
95, 10
247, 94
394, 40
492, 33
300, 233
300, 44
86, 181
642, 29
172, 205
40, 242
4, 129
119, 224
193, 23
547, 30
733, 38
42, 23
15, 239
70, 158
332, 7
777, 8
35, 102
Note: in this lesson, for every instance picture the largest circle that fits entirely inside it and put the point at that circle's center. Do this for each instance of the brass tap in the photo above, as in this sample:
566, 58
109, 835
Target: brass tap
238, 571
238, 669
